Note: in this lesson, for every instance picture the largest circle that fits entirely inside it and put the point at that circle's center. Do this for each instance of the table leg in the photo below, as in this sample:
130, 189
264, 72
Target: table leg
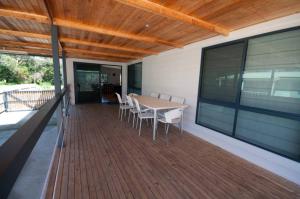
154, 123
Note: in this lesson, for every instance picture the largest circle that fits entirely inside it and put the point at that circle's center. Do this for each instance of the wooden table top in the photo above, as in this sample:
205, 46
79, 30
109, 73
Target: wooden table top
155, 103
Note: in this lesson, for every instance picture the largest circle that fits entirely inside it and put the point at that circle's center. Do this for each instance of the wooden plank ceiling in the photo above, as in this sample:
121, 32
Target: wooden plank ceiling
125, 30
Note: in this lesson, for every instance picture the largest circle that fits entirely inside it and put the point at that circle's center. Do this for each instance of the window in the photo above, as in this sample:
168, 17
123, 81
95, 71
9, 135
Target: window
134, 80
221, 69
250, 90
271, 78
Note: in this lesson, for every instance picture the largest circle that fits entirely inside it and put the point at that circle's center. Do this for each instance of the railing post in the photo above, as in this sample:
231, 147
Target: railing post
5, 101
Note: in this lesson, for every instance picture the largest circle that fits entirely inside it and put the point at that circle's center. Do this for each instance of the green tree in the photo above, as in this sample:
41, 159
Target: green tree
20, 69
48, 71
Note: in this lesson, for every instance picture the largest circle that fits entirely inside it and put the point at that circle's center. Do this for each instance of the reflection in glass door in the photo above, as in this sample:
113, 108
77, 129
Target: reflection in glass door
87, 83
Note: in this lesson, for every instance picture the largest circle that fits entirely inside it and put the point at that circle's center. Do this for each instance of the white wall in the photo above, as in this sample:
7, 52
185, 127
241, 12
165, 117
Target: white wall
70, 74
176, 72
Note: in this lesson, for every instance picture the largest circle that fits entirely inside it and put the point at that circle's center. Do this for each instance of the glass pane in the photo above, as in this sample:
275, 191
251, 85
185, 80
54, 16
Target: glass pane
33, 175
277, 134
272, 73
87, 80
135, 78
221, 71
219, 117
17, 107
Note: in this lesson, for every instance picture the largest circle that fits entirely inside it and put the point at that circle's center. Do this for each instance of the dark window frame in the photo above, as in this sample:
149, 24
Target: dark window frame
236, 105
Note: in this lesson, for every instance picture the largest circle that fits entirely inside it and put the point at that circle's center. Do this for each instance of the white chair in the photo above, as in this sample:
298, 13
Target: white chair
132, 110
171, 117
164, 97
156, 95
122, 106
179, 100
143, 114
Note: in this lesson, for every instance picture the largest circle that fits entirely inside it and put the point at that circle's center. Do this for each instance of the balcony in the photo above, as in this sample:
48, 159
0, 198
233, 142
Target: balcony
233, 65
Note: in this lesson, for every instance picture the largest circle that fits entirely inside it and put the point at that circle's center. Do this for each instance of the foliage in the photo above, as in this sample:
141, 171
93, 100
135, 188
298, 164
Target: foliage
24, 69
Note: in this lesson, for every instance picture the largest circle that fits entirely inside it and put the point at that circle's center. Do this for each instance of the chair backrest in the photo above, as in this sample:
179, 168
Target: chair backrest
119, 98
172, 115
137, 105
164, 97
156, 95
179, 100
129, 100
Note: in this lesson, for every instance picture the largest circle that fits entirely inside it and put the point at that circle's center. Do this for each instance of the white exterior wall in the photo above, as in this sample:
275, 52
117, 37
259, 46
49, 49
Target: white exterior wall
70, 74
176, 72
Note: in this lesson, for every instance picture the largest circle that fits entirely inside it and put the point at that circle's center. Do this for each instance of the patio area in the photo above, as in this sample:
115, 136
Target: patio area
226, 72
105, 158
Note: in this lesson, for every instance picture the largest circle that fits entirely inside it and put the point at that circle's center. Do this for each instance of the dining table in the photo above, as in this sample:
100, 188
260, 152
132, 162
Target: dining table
156, 105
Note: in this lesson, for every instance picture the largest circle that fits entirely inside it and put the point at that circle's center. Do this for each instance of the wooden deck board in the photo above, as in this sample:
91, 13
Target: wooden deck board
105, 158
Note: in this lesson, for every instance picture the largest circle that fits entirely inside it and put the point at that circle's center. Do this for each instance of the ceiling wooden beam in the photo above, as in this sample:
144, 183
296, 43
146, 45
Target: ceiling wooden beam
24, 34
27, 50
26, 44
100, 53
109, 46
43, 46
49, 13
88, 56
24, 15
112, 32
174, 14
69, 40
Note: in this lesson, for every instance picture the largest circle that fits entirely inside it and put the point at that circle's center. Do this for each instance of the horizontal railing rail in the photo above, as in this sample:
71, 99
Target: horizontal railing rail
16, 150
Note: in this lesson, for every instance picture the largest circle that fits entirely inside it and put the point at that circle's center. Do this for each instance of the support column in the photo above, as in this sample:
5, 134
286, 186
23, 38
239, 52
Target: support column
55, 55
57, 81
65, 99
64, 68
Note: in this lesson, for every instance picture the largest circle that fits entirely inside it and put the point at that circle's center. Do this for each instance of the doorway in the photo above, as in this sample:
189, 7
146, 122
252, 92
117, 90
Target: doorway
111, 83
96, 83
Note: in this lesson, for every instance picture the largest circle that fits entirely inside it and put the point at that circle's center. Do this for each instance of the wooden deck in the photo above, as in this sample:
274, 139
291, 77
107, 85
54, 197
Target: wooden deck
105, 158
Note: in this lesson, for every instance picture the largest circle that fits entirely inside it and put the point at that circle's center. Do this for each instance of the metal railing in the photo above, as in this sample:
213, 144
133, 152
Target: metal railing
24, 100
16, 150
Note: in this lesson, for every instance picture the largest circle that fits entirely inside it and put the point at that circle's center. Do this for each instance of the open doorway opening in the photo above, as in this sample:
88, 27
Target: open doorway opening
111, 82
96, 83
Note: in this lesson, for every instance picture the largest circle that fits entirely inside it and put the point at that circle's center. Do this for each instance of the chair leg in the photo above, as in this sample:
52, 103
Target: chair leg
133, 120
129, 116
140, 126
137, 122
119, 112
167, 130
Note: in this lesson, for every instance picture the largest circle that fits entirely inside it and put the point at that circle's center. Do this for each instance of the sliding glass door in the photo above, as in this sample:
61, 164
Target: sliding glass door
250, 90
